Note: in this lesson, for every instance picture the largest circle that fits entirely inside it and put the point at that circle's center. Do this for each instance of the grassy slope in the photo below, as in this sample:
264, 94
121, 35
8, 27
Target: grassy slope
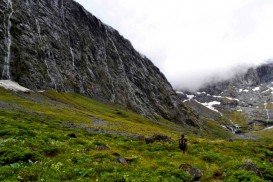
34, 144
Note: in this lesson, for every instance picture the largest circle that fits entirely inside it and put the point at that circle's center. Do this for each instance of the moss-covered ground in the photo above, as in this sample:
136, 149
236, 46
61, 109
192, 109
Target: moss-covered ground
68, 137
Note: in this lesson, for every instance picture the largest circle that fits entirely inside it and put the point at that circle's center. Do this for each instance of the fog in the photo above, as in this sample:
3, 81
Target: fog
193, 41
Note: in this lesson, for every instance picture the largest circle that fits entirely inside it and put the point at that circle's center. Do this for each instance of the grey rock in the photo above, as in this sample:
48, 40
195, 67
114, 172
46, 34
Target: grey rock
122, 160
196, 174
250, 166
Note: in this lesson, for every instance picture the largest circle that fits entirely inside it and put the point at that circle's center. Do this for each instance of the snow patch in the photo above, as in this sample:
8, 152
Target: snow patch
240, 90
190, 96
11, 85
246, 90
199, 93
179, 92
256, 89
268, 128
229, 98
211, 104
266, 91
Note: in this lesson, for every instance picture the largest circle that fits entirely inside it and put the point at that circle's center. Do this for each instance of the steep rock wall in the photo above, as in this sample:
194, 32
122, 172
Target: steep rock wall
57, 44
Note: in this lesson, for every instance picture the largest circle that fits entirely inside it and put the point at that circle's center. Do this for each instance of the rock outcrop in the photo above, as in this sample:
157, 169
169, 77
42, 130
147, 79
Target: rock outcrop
57, 44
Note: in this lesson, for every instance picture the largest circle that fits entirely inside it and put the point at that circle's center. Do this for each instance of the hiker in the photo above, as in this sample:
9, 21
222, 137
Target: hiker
183, 143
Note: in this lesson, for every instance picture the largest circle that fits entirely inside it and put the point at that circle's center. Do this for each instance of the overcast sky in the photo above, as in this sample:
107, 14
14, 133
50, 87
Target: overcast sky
193, 40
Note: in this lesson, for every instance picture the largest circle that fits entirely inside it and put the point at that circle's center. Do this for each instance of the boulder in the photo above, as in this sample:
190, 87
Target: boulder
122, 160
250, 166
195, 173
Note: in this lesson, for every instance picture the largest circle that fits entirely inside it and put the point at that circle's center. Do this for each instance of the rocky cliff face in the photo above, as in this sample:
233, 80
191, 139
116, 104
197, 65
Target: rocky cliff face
57, 44
250, 94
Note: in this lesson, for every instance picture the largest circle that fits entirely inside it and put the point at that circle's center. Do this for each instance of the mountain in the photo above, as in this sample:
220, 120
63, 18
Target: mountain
69, 83
59, 45
245, 99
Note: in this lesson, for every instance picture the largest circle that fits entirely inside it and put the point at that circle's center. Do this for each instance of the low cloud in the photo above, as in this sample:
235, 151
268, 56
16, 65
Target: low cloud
193, 41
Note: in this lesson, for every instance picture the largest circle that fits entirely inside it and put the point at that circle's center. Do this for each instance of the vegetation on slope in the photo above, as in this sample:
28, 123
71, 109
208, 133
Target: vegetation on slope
67, 137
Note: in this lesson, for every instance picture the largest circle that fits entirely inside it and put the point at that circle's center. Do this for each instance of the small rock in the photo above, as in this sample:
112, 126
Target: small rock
72, 135
195, 173
122, 160
102, 147
250, 166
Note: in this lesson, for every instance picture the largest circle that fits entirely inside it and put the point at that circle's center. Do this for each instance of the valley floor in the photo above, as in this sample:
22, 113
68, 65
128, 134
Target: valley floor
54, 136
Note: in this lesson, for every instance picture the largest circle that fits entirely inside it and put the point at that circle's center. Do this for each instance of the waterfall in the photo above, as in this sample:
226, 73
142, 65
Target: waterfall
50, 76
52, 70
265, 108
267, 113
8, 42
233, 127
73, 57
122, 70
120, 65
38, 28
107, 72
69, 39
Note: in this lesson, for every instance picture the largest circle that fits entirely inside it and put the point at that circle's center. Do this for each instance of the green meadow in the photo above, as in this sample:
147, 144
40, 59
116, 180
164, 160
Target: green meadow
55, 136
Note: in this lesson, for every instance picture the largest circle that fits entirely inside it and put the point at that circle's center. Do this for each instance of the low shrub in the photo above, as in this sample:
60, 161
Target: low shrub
243, 176
211, 157
16, 155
